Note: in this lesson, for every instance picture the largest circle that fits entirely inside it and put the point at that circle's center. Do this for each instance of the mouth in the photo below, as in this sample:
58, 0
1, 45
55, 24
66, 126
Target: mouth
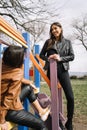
56, 34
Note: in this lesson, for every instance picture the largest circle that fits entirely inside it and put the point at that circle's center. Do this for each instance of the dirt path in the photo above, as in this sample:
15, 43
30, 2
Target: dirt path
79, 126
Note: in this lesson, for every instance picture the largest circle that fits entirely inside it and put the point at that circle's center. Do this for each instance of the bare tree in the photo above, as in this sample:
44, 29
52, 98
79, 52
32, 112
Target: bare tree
21, 11
28, 15
37, 30
80, 30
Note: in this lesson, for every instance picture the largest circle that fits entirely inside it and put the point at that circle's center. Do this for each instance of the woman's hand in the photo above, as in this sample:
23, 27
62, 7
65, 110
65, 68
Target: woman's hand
4, 126
55, 57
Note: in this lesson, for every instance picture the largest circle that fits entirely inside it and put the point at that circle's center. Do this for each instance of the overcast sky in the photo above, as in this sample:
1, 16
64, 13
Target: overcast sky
69, 10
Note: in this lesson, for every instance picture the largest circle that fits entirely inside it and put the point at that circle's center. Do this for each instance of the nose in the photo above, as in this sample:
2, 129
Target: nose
54, 31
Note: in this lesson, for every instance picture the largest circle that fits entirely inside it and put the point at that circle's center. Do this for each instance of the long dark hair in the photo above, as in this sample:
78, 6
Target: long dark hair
13, 56
52, 39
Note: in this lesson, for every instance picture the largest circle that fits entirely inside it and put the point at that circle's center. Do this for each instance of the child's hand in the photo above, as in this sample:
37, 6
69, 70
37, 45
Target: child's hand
36, 90
33, 86
4, 126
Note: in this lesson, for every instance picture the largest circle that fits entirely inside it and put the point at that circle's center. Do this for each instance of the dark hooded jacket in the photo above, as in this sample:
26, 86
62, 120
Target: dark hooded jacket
63, 48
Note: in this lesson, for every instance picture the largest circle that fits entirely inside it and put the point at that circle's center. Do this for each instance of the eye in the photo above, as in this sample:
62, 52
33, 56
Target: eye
53, 29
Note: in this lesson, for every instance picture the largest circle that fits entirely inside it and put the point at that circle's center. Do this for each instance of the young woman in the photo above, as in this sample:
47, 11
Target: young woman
60, 49
11, 108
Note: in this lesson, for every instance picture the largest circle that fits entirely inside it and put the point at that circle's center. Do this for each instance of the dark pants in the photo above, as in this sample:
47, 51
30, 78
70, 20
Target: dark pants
63, 77
23, 117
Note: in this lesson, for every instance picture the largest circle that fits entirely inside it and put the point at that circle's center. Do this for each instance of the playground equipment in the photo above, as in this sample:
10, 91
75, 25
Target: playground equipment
14, 34
40, 60
56, 108
10, 31
56, 95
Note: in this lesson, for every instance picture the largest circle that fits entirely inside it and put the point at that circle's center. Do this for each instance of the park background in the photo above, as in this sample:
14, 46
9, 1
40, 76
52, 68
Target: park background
67, 12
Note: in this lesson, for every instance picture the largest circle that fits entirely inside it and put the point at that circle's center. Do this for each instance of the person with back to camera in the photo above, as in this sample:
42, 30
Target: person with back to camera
60, 49
11, 108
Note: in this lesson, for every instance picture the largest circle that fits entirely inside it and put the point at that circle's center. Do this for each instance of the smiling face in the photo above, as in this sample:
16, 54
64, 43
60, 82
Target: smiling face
56, 31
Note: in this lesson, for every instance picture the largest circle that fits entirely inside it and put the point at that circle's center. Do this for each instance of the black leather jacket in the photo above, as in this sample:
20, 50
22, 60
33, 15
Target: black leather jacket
64, 49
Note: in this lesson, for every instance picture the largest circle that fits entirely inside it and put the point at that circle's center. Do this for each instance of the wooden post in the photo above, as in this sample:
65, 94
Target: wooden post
54, 95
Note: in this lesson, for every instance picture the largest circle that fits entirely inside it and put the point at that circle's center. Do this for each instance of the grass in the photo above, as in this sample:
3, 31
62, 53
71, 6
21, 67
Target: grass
80, 95
79, 87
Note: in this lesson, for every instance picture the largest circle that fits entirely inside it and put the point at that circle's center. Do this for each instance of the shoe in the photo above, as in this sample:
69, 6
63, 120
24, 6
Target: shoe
44, 129
68, 125
61, 125
45, 115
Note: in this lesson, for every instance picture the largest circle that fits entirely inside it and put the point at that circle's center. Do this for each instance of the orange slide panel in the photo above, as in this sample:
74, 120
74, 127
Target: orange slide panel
41, 70
9, 28
40, 60
10, 31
